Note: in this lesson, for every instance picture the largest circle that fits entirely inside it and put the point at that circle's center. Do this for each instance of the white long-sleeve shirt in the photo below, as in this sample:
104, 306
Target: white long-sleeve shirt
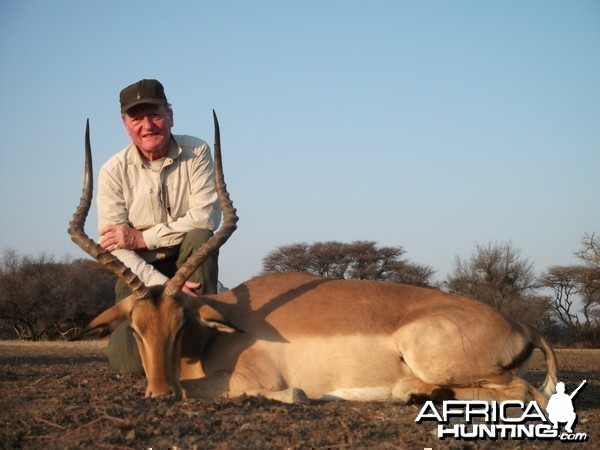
163, 204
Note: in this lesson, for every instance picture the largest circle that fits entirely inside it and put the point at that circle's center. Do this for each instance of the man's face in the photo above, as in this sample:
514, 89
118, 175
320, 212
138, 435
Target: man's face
149, 127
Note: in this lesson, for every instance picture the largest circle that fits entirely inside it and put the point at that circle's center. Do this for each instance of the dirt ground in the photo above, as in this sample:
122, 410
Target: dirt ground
64, 395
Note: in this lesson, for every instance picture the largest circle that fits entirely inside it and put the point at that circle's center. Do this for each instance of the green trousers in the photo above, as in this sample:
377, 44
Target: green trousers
122, 348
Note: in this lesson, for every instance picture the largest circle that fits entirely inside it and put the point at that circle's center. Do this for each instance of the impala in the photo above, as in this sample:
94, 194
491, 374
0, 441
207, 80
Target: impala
292, 336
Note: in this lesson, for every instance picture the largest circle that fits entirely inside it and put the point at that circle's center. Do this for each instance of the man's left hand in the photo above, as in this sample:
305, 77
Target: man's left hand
190, 287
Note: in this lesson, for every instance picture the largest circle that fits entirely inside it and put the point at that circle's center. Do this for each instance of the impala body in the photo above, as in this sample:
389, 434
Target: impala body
291, 336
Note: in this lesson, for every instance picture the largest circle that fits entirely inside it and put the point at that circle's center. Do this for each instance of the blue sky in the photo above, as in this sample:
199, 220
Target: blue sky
430, 125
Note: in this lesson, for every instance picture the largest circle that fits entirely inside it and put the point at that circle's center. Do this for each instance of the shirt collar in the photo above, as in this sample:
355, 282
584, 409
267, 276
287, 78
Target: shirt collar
172, 153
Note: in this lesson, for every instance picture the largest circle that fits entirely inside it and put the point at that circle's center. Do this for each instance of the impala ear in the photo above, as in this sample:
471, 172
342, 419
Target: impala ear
106, 322
212, 318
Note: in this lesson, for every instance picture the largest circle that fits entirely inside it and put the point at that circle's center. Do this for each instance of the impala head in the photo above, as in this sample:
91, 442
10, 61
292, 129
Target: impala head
157, 314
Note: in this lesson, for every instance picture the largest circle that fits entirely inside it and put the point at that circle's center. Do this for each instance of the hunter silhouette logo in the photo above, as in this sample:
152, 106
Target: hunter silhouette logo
560, 407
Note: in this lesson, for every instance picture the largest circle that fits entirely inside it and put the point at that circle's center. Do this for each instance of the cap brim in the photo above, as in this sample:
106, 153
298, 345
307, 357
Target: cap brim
149, 101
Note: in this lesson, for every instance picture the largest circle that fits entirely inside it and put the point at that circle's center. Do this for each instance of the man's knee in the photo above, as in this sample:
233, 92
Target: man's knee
122, 291
208, 273
122, 350
195, 238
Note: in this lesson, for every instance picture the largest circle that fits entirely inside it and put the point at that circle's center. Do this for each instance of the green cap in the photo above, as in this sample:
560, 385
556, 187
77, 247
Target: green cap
143, 92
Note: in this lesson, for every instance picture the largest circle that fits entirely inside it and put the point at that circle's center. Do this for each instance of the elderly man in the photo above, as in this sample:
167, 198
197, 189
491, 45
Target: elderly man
156, 204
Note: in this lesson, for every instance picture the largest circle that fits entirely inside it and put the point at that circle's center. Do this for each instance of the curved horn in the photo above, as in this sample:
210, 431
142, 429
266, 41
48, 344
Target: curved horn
230, 218
79, 236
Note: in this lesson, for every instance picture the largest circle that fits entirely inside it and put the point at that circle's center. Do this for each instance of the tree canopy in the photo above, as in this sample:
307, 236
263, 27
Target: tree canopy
359, 260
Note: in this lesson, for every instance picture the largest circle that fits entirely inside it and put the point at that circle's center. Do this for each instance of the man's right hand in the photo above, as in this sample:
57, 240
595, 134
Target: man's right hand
115, 237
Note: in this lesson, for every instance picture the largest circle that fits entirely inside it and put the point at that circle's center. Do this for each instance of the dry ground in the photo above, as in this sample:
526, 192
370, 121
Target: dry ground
60, 395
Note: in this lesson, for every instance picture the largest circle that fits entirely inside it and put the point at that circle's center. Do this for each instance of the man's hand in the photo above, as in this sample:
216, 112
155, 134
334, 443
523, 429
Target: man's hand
114, 237
190, 288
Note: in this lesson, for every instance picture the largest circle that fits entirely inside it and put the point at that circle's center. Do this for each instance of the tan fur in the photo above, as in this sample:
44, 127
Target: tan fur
329, 339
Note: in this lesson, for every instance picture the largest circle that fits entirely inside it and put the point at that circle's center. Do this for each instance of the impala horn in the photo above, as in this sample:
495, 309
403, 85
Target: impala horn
230, 218
78, 235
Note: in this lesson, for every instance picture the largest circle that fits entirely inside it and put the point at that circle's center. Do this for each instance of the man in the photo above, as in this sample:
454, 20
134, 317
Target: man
156, 205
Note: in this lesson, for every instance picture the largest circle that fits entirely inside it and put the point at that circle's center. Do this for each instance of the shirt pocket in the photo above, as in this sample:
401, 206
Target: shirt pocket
146, 208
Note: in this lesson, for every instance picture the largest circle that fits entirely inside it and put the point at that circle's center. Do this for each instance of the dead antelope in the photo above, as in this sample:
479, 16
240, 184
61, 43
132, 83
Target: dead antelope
292, 335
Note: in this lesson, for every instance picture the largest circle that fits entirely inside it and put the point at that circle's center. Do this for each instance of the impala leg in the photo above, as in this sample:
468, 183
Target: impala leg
217, 385
508, 387
289, 395
212, 386
413, 389
190, 369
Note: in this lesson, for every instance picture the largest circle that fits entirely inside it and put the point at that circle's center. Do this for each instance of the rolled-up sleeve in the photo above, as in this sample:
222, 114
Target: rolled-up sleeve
112, 210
